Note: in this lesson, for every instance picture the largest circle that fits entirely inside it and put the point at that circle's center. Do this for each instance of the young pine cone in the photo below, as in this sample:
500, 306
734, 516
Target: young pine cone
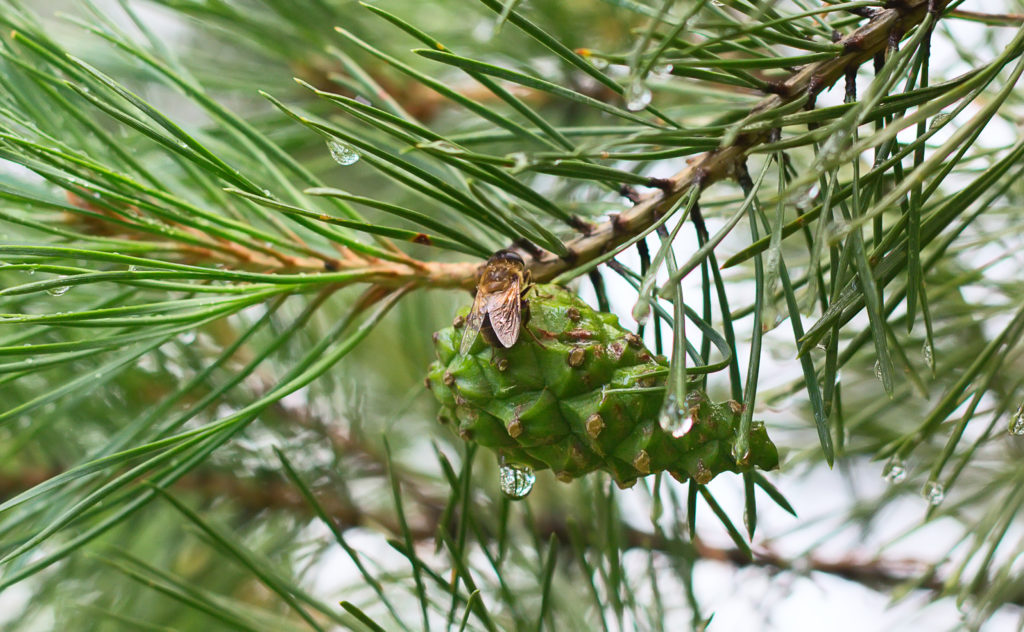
578, 393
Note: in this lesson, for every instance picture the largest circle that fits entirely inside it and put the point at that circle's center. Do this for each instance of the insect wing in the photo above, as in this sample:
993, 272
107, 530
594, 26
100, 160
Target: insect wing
474, 321
505, 312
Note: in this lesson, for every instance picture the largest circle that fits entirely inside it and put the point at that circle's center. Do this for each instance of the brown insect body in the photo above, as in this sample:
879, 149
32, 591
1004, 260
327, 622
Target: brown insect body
499, 309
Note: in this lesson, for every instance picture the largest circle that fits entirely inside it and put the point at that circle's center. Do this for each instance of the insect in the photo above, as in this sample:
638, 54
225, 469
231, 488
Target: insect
499, 309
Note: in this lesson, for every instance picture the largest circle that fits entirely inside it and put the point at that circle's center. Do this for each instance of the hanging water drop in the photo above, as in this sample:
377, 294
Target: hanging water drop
878, 370
520, 161
516, 481
342, 153
894, 471
939, 120
934, 493
928, 353
662, 71
59, 290
641, 312
805, 198
674, 419
1017, 421
834, 147
638, 95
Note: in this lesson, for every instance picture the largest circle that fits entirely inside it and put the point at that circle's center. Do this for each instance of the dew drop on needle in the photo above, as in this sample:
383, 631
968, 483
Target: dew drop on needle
343, 154
59, 290
638, 95
895, 471
1017, 421
934, 493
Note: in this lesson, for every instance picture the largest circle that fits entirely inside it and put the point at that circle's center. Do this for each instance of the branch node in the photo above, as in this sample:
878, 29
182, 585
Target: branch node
618, 223
581, 224
667, 185
629, 193
779, 87
701, 175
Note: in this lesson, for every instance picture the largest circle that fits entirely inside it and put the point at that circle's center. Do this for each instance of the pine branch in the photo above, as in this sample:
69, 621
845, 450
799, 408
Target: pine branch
802, 86
233, 224
584, 252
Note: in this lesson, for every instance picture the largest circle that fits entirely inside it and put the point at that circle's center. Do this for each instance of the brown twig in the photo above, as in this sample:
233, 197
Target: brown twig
992, 19
259, 494
803, 84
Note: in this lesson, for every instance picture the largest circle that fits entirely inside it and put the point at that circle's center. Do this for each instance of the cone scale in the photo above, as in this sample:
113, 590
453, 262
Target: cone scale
578, 393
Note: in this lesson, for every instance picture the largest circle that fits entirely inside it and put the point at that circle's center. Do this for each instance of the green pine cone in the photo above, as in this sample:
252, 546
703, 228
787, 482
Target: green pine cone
579, 393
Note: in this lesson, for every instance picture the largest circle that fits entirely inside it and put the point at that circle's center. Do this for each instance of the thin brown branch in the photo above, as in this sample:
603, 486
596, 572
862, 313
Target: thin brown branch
803, 84
256, 495
992, 19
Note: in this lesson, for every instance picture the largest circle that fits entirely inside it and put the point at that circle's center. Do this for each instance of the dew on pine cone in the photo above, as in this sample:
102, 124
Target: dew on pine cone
516, 481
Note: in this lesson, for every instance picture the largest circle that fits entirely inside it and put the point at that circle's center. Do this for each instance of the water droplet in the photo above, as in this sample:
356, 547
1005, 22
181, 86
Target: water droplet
519, 161
895, 471
638, 95
933, 492
662, 71
878, 370
641, 312
59, 290
834, 147
928, 353
805, 198
599, 62
674, 419
342, 153
516, 481
939, 120
741, 458
1017, 421
187, 337
133, 268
